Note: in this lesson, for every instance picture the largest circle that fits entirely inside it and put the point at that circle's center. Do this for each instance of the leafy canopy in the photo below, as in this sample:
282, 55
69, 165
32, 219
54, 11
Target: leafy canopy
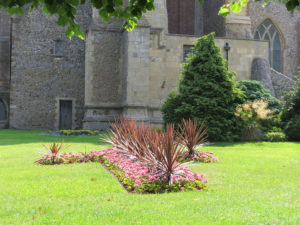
66, 10
129, 10
236, 6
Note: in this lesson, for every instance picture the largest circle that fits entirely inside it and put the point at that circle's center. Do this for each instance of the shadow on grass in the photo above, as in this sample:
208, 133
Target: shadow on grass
15, 137
228, 144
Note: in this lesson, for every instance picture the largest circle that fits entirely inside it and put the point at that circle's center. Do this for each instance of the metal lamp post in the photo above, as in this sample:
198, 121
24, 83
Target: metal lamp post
227, 48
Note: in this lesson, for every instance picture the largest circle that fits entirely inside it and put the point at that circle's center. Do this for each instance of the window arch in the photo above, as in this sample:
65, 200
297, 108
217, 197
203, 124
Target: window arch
2, 110
268, 32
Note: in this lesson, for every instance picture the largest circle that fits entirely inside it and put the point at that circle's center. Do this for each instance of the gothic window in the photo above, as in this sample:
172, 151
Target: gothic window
267, 31
2, 110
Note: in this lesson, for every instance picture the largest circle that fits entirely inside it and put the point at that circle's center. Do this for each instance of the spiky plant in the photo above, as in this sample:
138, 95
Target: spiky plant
164, 153
192, 134
54, 149
127, 137
158, 151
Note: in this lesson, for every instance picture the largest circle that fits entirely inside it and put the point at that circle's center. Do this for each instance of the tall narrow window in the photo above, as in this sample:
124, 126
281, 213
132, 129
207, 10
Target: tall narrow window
186, 50
268, 32
58, 48
2, 110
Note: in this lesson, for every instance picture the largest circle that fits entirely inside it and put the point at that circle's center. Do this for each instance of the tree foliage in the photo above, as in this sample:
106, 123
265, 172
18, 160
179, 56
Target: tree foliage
131, 11
66, 11
291, 104
254, 90
206, 93
236, 6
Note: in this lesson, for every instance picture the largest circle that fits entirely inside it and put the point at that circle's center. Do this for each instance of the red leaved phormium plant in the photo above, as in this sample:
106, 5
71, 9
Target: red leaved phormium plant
156, 150
127, 137
53, 149
192, 134
164, 153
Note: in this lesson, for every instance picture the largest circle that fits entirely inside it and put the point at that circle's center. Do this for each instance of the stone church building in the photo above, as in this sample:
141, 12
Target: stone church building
50, 82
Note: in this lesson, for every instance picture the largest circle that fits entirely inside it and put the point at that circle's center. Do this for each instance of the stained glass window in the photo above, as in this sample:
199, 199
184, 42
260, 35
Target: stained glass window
267, 31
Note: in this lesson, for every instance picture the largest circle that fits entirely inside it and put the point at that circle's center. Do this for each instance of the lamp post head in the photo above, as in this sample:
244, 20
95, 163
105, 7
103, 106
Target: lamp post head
227, 46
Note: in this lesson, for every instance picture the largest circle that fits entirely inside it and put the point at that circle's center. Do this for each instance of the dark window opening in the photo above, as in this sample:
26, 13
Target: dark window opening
2, 111
58, 48
186, 50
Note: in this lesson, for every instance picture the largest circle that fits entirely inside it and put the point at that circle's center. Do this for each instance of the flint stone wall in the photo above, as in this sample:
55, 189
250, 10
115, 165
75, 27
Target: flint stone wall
39, 78
281, 83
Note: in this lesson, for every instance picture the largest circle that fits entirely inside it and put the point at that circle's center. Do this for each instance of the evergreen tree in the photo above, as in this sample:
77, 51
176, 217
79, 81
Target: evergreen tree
206, 92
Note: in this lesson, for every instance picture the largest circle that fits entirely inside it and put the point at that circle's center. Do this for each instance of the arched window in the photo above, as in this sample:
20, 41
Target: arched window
267, 31
2, 110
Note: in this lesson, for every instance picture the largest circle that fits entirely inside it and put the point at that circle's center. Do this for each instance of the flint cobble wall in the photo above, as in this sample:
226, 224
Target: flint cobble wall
38, 77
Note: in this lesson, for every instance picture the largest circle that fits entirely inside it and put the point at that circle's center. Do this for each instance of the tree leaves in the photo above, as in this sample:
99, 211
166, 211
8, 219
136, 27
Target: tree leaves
131, 11
236, 6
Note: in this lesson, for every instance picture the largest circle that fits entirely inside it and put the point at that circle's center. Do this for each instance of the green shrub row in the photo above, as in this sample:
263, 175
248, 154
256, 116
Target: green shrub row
79, 132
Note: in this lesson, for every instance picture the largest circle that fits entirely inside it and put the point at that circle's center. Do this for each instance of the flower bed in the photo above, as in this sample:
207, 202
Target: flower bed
132, 174
205, 157
136, 177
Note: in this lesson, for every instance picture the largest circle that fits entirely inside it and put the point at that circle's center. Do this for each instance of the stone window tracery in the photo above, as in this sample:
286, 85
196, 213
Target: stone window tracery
267, 31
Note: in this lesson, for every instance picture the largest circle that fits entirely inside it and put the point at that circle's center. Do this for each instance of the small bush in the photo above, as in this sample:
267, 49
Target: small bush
79, 132
254, 90
275, 137
291, 104
292, 129
254, 114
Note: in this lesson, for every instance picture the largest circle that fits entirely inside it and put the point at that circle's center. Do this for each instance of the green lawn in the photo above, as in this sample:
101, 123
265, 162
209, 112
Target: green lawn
253, 183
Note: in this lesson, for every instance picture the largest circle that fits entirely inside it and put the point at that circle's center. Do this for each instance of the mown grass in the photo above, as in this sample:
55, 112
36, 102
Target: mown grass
253, 183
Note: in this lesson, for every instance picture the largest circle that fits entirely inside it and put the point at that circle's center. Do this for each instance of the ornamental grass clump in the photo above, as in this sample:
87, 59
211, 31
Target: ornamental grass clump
253, 114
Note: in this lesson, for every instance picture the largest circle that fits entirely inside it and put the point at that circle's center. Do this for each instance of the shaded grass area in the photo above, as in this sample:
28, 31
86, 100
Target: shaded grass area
253, 183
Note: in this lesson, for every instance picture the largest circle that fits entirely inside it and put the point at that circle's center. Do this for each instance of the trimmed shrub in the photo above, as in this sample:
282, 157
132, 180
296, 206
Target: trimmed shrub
291, 104
206, 93
292, 129
79, 132
275, 137
254, 90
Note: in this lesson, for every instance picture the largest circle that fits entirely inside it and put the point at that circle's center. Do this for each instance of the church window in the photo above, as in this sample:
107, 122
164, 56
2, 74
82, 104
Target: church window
2, 110
267, 31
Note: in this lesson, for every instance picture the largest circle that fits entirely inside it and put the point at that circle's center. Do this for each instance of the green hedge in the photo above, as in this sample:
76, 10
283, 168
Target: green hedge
79, 132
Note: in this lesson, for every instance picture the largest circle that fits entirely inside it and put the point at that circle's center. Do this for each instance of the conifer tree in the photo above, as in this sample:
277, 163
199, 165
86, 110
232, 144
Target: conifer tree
206, 92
